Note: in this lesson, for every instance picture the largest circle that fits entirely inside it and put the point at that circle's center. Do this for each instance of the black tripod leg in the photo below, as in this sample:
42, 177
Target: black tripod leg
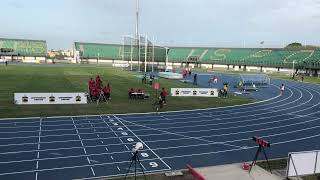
265, 155
141, 168
255, 158
128, 169
135, 169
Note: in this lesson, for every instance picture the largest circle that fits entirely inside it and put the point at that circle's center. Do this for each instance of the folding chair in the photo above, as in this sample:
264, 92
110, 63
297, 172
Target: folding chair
102, 97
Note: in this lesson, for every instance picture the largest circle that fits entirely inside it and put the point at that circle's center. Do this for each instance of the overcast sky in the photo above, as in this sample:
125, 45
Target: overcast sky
228, 23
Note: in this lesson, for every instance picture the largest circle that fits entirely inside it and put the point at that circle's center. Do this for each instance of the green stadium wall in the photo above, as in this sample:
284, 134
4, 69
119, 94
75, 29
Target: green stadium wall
202, 55
22, 47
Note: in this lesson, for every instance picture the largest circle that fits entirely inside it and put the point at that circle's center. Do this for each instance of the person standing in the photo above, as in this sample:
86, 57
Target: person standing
163, 95
98, 82
281, 89
195, 79
215, 79
190, 71
107, 90
91, 84
6, 61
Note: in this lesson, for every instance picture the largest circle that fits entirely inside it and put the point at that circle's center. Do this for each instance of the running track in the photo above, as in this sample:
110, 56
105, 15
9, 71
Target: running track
87, 147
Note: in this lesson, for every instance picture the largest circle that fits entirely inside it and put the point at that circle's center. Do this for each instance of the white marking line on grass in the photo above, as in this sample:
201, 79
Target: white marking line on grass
144, 143
84, 149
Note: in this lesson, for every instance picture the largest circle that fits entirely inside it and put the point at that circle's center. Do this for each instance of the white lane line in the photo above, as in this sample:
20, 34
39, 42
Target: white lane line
127, 147
188, 131
94, 174
232, 127
78, 120
170, 157
224, 109
197, 138
38, 153
111, 129
106, 149
237, 140
84, 149
232, 115
144, 143
68, 157
143, 166
230, 150
257, 130
83, 128
118, 168
111, 157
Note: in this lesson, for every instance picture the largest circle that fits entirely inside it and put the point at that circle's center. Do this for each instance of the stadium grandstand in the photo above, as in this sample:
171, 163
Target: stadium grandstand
237, 58
23, 50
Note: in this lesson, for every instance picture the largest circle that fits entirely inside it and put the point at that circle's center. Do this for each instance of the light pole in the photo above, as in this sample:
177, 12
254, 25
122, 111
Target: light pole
293, 67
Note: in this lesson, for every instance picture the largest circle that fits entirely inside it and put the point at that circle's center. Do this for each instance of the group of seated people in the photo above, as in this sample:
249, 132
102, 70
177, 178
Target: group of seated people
136, 94
96, 89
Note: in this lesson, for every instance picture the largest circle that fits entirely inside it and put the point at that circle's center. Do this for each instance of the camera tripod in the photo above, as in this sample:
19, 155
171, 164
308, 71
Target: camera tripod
135, 159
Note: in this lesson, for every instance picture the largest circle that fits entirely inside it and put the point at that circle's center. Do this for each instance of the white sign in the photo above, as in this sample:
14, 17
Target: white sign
50, 98
197, 92
303, 163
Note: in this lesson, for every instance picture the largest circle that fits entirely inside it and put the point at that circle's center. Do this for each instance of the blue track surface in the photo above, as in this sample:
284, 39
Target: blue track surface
88, 147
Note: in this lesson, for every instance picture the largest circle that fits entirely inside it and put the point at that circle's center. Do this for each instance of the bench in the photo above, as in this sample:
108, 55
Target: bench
140, 95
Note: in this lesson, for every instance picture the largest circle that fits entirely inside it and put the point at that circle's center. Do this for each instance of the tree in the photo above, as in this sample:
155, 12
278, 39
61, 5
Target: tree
294, 45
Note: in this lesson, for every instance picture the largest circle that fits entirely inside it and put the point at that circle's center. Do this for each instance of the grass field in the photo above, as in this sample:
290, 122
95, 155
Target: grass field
74, 78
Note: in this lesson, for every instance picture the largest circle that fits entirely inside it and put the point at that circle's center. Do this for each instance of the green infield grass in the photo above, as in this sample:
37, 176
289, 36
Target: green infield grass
74, 78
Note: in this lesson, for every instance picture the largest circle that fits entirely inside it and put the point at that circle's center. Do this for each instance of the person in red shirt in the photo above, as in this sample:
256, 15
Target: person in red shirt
163, 95
107, 90
93, 93
184, 74
190, 71
98, 82
151, 78
91, 84
140, 95
130, 92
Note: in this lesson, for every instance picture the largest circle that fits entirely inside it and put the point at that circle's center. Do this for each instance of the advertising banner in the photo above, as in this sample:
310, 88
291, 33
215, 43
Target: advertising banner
197, 92
50, 98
